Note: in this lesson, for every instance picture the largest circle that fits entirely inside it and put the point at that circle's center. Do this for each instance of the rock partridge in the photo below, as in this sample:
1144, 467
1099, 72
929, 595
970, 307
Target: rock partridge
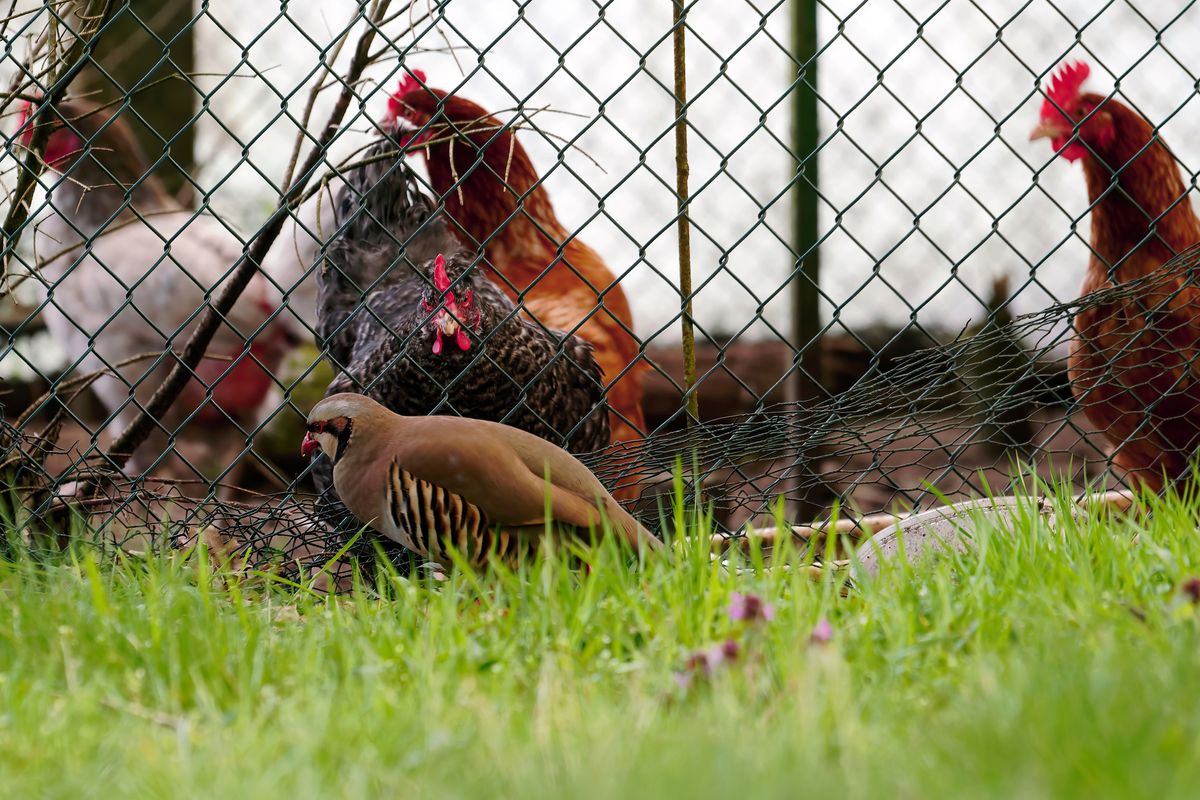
482, 487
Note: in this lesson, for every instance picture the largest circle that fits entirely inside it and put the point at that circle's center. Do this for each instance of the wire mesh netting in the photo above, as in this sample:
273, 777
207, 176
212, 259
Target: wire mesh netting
800, 250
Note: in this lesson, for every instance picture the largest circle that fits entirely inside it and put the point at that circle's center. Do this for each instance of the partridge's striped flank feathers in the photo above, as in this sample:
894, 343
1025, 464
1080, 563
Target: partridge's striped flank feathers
433, 517
441, 482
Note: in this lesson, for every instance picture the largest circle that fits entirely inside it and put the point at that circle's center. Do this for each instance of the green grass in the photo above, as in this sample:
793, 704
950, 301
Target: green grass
1045, 663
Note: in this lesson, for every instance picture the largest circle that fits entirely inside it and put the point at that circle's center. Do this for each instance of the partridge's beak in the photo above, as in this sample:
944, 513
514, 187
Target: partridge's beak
309, 445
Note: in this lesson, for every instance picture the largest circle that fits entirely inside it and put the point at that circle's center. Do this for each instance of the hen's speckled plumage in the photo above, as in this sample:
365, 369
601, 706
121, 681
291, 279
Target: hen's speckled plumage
496, 200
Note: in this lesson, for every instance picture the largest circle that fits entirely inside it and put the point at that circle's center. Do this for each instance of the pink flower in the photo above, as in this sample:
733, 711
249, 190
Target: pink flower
822, 633
1191, 588
705, 662
750, 607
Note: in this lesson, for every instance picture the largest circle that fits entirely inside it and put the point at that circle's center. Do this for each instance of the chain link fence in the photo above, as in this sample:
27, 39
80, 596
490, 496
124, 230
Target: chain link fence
883, 268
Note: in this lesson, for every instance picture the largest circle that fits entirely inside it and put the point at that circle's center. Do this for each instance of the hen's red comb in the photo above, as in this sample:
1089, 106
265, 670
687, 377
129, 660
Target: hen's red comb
441, 281
1064, 88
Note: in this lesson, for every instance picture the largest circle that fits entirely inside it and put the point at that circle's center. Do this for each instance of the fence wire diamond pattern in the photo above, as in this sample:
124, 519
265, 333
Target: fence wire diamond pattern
216, 212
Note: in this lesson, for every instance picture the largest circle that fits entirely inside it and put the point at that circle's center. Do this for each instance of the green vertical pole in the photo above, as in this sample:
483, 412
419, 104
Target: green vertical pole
805, 140
807, 267
134, 54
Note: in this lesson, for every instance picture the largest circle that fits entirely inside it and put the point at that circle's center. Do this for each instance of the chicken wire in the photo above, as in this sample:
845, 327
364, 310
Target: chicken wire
938, 224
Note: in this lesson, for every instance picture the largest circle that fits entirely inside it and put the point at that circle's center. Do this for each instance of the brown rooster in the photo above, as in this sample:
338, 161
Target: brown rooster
496, 200
1133, 365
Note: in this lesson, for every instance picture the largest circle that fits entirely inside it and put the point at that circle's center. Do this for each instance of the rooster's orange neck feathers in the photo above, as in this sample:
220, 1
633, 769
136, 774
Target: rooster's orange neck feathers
503, 187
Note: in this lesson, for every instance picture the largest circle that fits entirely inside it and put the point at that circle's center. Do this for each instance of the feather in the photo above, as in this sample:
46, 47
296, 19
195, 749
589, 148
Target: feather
503, 207
503, 480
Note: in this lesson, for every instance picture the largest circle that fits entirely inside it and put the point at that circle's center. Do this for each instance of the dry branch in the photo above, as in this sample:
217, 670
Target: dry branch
1116, 500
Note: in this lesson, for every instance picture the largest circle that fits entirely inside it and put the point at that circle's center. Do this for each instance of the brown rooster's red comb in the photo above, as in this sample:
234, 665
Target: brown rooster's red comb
1063, 88
441, 281
413, 80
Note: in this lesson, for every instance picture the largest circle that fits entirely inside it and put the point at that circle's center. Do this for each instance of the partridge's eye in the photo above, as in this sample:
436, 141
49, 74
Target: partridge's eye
316, 427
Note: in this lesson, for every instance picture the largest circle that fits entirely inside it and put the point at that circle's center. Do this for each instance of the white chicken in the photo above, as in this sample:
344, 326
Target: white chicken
127, 272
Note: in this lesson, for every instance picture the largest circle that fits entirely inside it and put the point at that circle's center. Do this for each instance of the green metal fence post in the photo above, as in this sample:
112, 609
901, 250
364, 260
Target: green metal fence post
136, 65
807, 269
805, 139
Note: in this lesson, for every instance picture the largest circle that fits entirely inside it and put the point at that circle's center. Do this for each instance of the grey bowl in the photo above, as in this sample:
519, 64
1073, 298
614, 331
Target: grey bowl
931, 532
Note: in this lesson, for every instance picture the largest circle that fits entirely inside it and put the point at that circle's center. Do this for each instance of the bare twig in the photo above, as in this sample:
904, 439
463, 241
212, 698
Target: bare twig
25, 97
685, 232
25, 75
413, 21
74, 387
49, 432
457, 130
121, 449
78, 383
13, 14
